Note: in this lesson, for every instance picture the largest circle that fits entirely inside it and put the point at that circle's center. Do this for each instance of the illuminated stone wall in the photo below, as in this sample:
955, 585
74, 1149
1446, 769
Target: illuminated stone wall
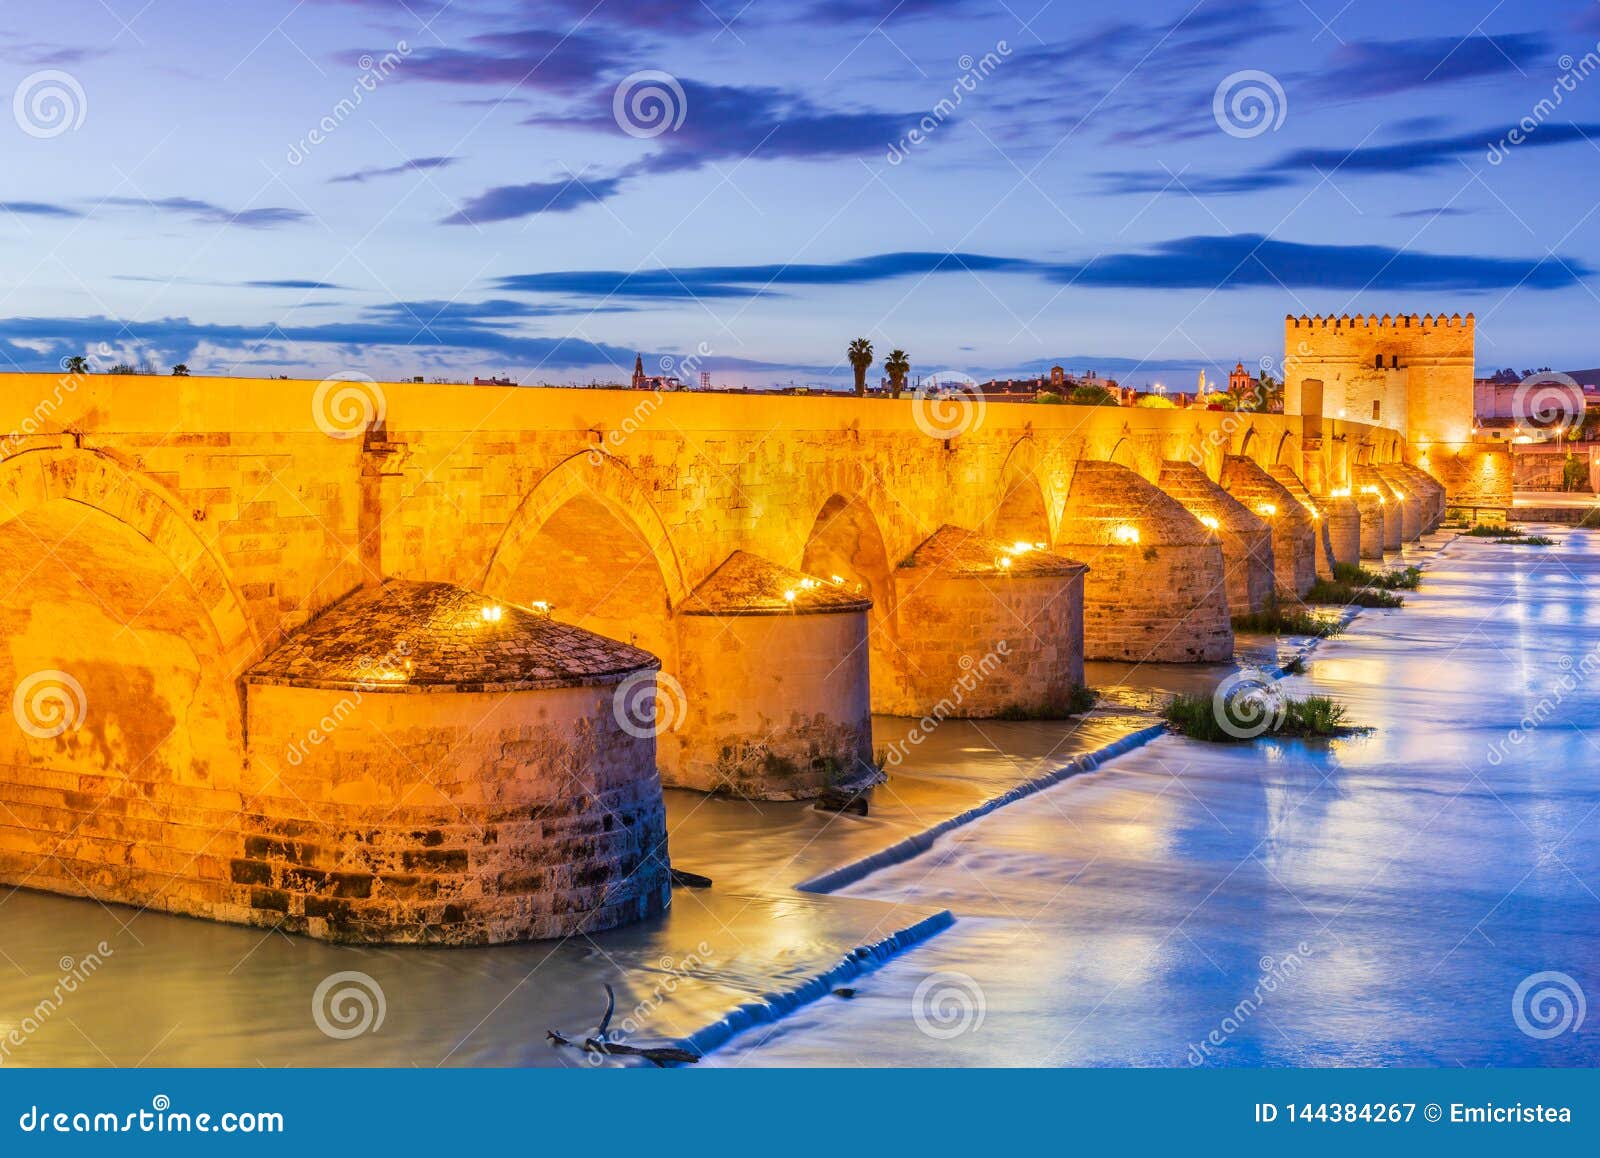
167, 534
1156, 588
983, 628
1294, 537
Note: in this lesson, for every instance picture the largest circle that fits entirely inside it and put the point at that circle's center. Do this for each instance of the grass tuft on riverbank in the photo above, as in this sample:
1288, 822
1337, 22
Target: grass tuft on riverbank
1334, 593
1203, 717
1405, 579
1276, 620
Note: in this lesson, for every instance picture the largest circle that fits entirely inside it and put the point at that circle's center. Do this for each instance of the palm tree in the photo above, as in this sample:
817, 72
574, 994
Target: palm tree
181, 370
77, 364
897, 365
860, 355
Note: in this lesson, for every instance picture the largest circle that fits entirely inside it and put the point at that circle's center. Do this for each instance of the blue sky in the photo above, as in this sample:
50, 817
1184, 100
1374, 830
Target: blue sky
407, 187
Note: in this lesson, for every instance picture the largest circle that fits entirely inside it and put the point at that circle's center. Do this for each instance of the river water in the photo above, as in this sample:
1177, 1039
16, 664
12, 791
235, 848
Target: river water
1377, 900
1371, 901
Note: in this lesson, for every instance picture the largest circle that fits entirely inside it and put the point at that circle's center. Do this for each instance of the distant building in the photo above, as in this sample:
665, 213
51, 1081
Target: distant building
493, 382
1240, 382
643, 381
1056, 381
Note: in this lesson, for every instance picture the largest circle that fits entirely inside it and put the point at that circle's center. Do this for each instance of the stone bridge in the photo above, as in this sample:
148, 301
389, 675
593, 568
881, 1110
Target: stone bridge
380, 661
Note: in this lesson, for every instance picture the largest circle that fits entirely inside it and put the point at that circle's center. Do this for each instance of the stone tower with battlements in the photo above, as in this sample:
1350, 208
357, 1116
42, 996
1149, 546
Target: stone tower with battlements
1411, 373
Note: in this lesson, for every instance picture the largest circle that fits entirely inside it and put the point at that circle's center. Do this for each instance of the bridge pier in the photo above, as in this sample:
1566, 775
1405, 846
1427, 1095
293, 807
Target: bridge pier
984, 628
1394, 525
1413, 518
1374, 519
1245, 537
776, 703
1322, 541
1341, 519
427, 765
1293, 537
1430, 489
1157, 586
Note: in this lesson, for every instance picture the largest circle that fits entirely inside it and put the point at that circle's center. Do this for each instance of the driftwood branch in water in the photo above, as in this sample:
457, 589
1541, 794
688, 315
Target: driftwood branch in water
661, 1055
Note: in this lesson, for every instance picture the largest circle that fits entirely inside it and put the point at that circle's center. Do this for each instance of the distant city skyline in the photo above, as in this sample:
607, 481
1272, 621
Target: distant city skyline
544, 190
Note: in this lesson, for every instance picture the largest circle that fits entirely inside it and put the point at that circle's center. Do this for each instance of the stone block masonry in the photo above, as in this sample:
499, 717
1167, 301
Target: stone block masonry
983, 628
1246, 538
776, 703
1294, 537
480, 781
1319, 525
1341, 518
1157, 583
167, 535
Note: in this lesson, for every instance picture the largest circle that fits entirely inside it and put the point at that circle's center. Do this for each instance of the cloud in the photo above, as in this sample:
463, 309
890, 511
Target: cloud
1436, 211
1369, 68
171, 339
37, 209
211, 214
291, 284
534, 58
283, 283
1414, 156
724, 281
495, 311
416, 165
508, 202
1201, 263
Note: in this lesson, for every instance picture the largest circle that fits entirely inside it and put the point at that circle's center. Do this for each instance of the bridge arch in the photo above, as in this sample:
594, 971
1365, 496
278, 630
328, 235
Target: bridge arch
121, 643
1288, 452
846, 540
1021, 511
588, 541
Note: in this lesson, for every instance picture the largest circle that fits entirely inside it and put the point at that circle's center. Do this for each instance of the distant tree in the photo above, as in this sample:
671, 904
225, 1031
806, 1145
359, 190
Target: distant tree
1092, 396
1049, 398
181, 370
897, 365
1153, 402
77, 364
860, 355
1575, 473
123, 368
